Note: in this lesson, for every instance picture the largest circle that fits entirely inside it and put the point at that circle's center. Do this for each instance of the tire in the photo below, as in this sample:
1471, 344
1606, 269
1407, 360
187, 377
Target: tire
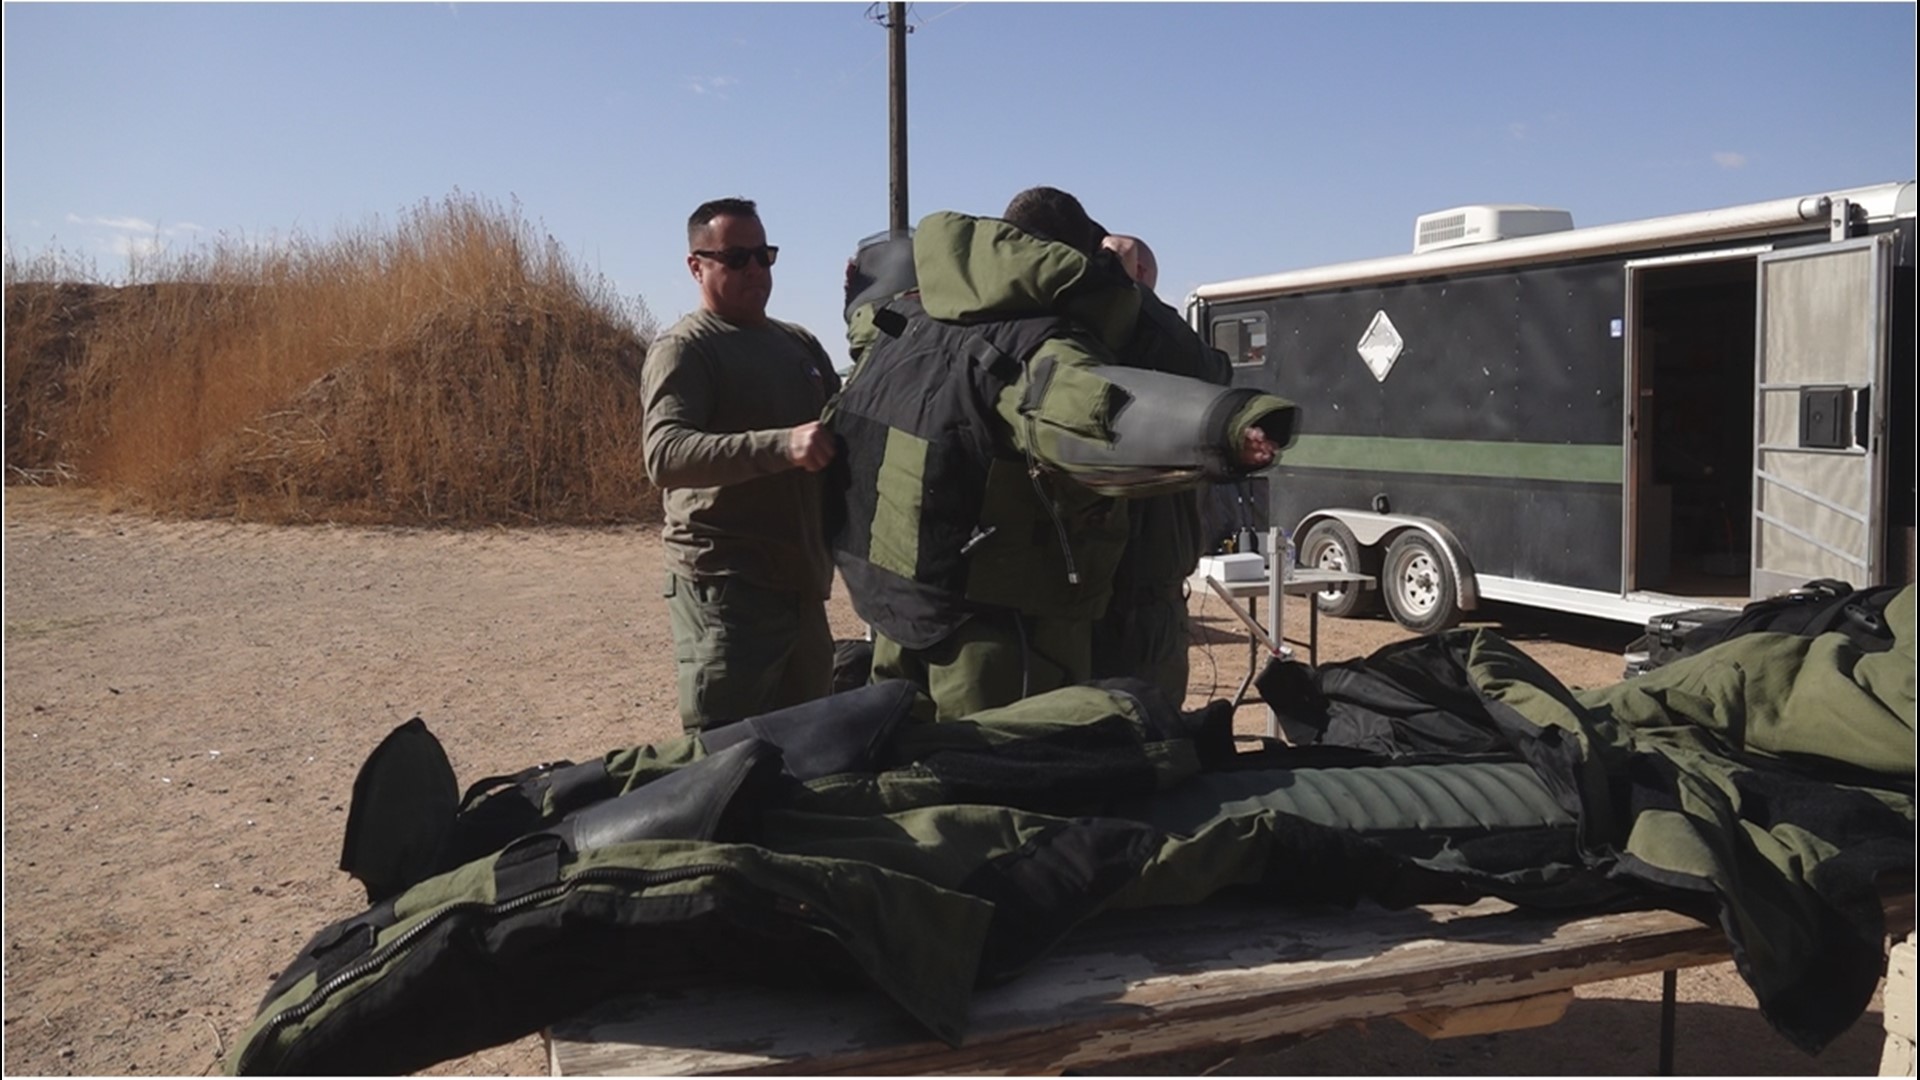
1330, 545
1418, 585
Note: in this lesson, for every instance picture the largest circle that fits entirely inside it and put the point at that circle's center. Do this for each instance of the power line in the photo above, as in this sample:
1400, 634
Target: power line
950, 10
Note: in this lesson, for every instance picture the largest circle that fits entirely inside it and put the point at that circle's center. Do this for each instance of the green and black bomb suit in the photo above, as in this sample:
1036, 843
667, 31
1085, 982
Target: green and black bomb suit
986, 433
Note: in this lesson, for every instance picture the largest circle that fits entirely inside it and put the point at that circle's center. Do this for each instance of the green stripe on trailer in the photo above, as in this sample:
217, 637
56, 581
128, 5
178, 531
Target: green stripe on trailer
1589, 464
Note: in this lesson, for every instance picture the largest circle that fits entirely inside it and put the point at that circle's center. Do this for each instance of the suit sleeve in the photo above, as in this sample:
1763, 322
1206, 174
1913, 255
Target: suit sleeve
1119, 430
1162, 341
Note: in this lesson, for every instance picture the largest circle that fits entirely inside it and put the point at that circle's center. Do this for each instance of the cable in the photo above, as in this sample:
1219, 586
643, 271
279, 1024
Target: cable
1059, 527
1026, 670
942, 15
1206, 647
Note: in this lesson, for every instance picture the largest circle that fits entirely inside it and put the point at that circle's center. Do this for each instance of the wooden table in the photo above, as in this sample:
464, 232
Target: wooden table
1225, 977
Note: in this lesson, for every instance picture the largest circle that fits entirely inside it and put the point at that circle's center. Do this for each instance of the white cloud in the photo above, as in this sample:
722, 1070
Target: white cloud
131, 246
1518, 131
131, 237
713, 84
135, 225
1727, 159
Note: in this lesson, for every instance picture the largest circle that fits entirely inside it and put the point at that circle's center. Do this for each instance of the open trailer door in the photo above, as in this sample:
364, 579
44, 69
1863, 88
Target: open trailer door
1820, 414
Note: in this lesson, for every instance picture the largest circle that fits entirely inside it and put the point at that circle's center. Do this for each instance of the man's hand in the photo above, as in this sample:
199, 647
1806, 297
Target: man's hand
1256, 450
810, 446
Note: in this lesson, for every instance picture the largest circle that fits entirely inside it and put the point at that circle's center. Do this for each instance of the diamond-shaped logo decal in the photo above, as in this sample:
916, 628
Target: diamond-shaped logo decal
1380, 346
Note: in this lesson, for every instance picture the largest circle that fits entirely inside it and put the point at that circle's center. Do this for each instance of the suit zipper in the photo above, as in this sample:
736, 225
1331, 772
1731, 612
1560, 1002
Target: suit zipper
646, 879
1059, 527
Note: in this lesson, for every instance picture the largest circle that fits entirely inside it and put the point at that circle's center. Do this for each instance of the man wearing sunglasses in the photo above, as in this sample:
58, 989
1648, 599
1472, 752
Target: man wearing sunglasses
733, 440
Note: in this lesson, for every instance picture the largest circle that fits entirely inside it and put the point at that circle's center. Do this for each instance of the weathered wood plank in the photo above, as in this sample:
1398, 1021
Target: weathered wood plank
1897, 1011
1490, 1018
1139, 984
1146, 983
1899, 997
1898, 1057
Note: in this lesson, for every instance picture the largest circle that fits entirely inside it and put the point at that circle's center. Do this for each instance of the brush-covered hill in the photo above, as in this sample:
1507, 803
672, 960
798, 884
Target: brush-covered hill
454, 369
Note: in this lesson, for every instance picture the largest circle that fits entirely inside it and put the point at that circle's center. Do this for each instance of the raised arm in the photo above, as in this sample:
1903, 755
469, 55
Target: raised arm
1121, 430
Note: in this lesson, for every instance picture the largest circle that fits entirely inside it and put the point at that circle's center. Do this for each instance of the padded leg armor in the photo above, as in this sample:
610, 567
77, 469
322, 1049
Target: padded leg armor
405, 825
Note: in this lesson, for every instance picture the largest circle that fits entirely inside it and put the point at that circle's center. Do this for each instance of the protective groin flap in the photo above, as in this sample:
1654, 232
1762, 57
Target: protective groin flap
404, 801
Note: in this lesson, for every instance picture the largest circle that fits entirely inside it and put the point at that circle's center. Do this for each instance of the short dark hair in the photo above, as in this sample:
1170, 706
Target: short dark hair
1052, 214
713, 208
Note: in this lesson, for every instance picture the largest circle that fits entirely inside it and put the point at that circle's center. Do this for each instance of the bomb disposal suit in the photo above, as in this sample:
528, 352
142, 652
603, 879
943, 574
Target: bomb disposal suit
988, 437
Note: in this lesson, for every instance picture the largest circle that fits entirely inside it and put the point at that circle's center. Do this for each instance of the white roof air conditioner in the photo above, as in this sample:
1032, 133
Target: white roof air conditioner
1465, 225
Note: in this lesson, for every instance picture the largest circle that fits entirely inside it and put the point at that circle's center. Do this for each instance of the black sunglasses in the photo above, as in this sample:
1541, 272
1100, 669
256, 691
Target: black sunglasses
735, 258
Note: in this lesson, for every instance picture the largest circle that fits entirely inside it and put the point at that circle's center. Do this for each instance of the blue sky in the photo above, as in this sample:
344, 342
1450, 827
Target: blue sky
1238, 138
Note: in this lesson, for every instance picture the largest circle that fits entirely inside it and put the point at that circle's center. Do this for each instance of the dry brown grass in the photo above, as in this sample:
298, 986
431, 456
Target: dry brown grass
455, 369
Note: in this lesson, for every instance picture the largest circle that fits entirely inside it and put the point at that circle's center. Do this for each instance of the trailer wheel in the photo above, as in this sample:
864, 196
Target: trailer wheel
1330, 545
1418, 586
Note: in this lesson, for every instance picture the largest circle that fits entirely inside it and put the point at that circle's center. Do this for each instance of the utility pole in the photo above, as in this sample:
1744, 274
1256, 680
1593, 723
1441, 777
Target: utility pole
897, 31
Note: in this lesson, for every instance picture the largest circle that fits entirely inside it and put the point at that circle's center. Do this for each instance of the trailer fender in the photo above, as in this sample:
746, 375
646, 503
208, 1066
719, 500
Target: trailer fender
1377, 530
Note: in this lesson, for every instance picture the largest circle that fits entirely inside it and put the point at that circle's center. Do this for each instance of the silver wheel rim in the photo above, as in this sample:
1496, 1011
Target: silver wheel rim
1330, 555
1417, 583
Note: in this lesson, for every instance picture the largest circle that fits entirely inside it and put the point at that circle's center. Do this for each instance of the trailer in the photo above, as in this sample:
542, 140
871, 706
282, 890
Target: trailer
1619, 420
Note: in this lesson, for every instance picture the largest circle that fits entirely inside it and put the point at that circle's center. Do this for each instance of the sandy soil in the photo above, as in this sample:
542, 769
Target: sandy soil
186, 704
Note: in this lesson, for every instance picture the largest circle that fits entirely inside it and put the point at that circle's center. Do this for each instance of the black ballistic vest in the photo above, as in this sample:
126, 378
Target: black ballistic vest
936, 383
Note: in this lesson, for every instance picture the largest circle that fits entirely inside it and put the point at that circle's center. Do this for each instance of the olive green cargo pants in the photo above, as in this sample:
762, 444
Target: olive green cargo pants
1145, 636
740, 649
994, 659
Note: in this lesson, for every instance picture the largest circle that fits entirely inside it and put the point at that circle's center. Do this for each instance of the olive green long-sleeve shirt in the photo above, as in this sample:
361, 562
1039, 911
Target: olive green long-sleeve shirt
719, 401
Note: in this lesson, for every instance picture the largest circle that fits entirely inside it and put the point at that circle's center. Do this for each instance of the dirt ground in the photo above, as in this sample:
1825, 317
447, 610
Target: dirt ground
186, 704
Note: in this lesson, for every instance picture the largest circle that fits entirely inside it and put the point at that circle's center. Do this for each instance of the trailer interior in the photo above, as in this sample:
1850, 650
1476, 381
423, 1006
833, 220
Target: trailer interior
1692, 381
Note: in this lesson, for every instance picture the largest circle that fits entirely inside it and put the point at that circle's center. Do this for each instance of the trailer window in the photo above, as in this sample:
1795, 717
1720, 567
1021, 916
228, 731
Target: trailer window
1243, 338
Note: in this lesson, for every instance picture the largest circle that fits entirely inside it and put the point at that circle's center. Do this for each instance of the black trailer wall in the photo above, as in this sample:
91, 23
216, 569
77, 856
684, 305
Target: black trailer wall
1501, 417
